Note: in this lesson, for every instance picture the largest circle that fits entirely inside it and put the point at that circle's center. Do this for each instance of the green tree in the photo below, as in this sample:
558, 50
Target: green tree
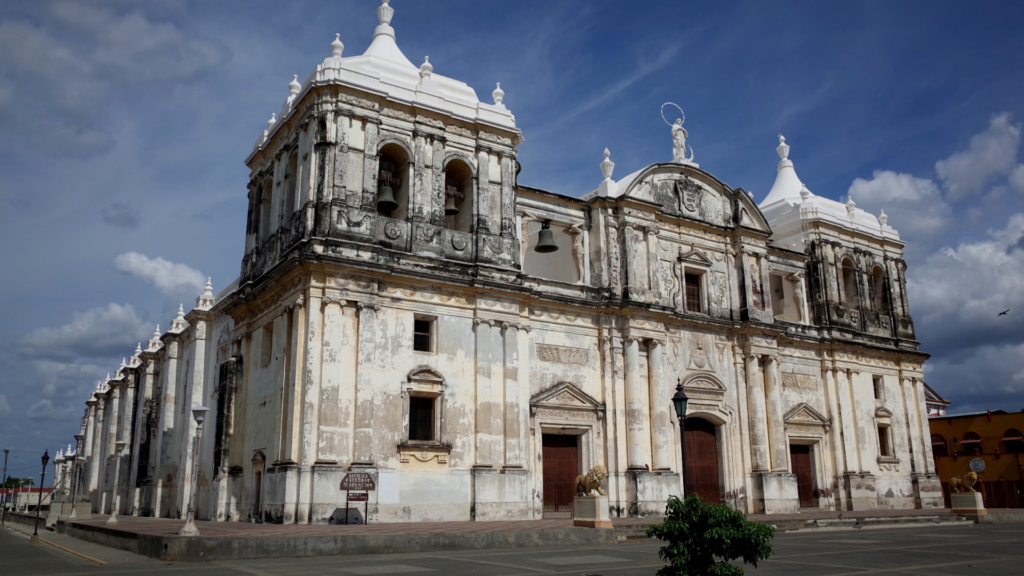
17, 482
703, 538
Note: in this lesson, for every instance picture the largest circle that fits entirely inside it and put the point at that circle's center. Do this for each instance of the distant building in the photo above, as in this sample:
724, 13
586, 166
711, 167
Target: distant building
995, 439
936, 404
408, 310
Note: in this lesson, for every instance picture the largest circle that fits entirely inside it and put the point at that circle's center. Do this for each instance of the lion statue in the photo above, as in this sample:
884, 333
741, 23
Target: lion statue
966, 484
587, 483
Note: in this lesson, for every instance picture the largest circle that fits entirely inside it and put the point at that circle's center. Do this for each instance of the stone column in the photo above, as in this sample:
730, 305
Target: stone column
661, 420
292, 399
508, 195
311, 345
757, 414
925, 433
515, 428
333, 429
90, 447
831, 389
638, 439
362, 449
371, 160
848, 421
167, 425
779, 447
489, 350
914, 440
111, 459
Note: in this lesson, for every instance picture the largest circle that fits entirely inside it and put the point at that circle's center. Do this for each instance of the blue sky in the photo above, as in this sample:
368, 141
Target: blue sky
124, 126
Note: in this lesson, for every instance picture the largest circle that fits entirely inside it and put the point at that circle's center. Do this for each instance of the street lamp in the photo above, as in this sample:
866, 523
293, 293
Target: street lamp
199, 414
39, 504
118, 446
679, 400
76, 471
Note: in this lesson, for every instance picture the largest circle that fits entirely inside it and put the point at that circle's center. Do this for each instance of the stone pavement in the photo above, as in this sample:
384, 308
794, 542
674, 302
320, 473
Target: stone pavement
991, 550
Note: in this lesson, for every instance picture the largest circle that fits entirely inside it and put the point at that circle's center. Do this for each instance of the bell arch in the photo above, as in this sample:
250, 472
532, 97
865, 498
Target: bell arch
459, 193
393, 182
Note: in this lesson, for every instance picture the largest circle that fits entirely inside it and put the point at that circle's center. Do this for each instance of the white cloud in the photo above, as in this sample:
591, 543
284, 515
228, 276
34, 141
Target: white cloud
45, 410
105, 332
990, 153
1017, 178
5, 408
74, 60
168, 277
914, 205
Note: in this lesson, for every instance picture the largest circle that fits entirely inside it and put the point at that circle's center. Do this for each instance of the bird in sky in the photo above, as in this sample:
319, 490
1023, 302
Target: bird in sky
1003, 313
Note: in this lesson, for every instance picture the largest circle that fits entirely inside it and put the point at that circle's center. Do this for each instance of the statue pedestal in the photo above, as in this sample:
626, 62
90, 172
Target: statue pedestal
591, 512
967, 503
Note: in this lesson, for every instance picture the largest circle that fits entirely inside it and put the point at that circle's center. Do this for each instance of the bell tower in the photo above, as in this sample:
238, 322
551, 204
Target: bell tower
373, 157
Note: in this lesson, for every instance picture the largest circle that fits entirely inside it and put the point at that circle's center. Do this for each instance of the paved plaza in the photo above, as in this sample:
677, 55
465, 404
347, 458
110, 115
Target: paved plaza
968, 549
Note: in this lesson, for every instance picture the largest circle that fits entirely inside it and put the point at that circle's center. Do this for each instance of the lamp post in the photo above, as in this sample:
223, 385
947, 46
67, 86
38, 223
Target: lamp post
39, 504
3, 513
118, 446
199, 414
76, 471
679, 400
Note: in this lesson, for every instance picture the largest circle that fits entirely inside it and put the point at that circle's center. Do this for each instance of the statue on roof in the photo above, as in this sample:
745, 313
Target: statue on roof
679, 135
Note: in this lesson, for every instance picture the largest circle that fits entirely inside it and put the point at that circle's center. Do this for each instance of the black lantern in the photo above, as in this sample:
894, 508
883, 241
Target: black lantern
679, 400
546, 239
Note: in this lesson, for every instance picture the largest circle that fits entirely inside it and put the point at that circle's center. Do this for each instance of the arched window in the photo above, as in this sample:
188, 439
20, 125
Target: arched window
458, 196
881, 294
393, 182
849, 283
971, 443
939, 447
290, 174
1013, 441
266, 206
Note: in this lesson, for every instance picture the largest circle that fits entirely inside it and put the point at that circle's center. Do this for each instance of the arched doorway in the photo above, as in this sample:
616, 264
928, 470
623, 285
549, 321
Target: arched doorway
701, 473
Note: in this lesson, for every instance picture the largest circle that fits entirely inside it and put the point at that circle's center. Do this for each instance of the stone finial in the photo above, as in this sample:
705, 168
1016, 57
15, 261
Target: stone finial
804, 194
426, 68
69, 449
154, 342
272, 121
883, 218
138, 349
607, 166
337, 47
205, 301
499, 95
851, 206
179, 323
783, 148
294, 86
385, 13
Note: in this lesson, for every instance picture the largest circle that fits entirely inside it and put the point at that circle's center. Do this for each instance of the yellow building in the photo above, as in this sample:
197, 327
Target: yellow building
994, 439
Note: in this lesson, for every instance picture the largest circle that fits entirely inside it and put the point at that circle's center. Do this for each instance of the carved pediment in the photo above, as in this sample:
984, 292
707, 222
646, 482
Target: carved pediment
695, 256
882, 412
703, 383
805, 415
564, 397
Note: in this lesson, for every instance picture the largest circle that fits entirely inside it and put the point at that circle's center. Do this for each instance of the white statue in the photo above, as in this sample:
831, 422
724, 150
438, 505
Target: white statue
679, 135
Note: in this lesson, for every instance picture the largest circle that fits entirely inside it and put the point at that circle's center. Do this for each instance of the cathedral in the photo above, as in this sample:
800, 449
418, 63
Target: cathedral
407, 310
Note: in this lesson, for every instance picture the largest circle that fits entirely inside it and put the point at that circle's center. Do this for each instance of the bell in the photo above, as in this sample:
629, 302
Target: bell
546, 239
386, 199
449, 207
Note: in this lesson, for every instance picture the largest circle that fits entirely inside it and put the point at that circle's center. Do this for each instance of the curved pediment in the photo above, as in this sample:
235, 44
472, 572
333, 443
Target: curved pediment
686, 191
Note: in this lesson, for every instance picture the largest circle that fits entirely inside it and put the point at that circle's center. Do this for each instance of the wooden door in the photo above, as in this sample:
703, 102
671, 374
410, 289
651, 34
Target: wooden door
802, 464
701, 473
561, 467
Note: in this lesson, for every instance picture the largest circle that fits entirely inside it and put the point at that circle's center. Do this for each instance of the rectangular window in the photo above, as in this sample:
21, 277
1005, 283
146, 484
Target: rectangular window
421, 418
422, 331
879, 387
692, 292
883, 441
267, 345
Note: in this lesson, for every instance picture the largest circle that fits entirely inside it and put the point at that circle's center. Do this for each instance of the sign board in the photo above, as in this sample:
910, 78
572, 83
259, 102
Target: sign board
358, 481
978, 465
358, 497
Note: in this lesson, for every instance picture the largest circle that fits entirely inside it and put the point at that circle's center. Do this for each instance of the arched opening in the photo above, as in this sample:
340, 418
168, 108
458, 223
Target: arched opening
881, 295
1013, 441
289, 190
266, 206
700, 475
393, 182
971, 443
849, 283
458, 196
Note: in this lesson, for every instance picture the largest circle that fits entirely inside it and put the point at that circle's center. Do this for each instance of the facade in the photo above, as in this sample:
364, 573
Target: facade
407, 309
994, 438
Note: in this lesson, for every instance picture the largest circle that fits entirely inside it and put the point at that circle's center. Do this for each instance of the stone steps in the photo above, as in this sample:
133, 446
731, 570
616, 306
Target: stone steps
626, 532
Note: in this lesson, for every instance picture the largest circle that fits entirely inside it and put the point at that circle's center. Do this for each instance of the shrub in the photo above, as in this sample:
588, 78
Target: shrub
703, 538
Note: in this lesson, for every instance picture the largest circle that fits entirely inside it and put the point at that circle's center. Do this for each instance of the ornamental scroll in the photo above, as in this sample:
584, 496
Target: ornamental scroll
562, 354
